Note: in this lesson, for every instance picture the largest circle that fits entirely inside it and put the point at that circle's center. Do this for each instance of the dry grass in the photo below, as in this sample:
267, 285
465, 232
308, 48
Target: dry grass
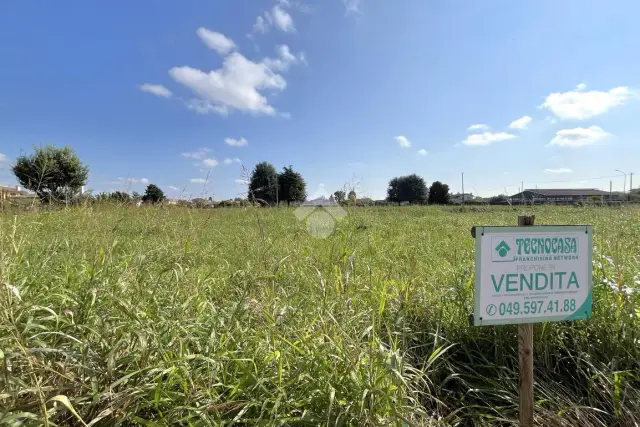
116, 316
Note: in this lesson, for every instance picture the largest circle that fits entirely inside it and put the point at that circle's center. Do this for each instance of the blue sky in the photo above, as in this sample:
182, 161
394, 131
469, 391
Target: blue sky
346, 91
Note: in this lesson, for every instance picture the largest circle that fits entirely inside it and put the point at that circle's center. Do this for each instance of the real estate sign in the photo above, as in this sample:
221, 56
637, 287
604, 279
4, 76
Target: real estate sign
533, 274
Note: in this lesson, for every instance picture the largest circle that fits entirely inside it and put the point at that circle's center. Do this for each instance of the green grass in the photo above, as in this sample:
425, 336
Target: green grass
122, 316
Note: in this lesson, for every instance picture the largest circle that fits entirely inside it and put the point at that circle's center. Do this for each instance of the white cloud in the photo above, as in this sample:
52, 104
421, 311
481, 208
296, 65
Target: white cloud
3, 157
351, 6
478, 127
276, 16
581, 86
157, 90
520, 123
201, 106
210, 163
285, 59
486, 138
261, 25
173, 188
578, 137
403, 141
560, 170
423, 152
228, 160
279, 17
198, 180
236, 142
128, 180
216, 41
237, 85
200, 154
282, 19
242, 181
579, 104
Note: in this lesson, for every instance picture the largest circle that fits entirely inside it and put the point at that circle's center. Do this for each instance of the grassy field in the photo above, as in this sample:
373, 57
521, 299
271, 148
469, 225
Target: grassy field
160, 316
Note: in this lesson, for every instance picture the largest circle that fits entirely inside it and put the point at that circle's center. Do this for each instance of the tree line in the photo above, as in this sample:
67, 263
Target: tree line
413, 189
57, 175
268, 187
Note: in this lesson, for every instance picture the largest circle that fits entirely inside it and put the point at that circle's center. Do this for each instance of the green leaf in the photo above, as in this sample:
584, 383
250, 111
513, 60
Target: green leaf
65, 401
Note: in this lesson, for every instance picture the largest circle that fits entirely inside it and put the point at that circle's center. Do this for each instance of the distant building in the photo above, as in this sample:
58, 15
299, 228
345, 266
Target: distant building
459, 197
320, 201
564, 195
8, 192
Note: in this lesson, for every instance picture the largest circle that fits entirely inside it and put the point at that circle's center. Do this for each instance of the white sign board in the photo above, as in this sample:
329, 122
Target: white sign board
533, 274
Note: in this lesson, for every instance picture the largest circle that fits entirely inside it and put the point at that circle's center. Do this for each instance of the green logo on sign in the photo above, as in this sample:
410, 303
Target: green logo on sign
503, 249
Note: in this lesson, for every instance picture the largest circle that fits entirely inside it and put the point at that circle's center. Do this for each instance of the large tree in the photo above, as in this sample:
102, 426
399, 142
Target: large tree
291, 186
263, 184
409, 188
438, 193
54, 174
120, 196
339, 196
153, 194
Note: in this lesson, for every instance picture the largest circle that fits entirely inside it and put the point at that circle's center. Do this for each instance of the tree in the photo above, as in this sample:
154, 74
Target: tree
438, 193
352, 196
120, 196
291, 186
339, 196
263, 184
54, 174
409, 188
116, 196
153, 194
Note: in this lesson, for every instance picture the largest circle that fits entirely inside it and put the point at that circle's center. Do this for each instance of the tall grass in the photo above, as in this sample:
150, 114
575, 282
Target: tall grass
116, 316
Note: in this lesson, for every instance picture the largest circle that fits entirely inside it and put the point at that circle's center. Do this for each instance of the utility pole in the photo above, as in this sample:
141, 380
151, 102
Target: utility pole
630, 185
624, 189
610, 190
463, 188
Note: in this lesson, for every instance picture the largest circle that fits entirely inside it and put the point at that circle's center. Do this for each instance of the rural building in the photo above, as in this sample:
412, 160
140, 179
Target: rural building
459, 197
8, 192
565, 195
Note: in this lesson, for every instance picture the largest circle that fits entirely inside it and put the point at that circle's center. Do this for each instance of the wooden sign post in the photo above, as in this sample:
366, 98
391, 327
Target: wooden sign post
525, 353
530, 274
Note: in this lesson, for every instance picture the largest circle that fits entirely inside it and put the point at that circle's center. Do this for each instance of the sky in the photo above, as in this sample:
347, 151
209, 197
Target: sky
191, 95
